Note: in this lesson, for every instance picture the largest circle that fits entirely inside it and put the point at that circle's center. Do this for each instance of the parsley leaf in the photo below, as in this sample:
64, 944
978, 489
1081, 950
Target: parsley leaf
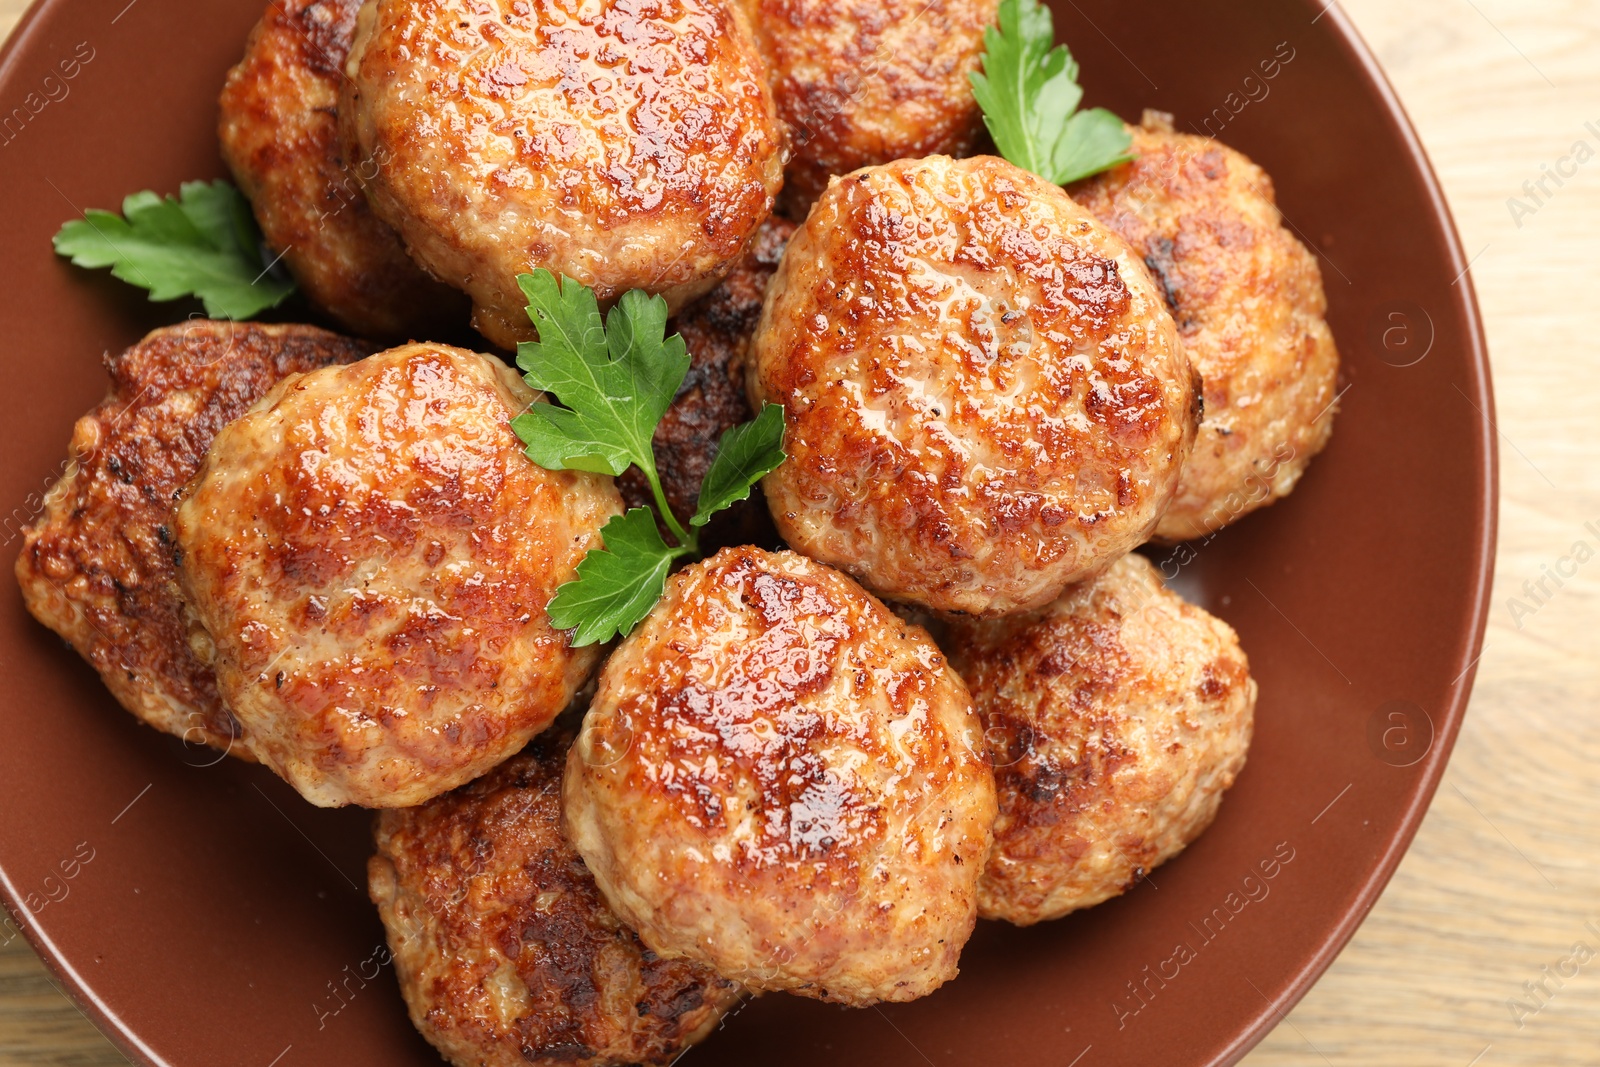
613, 380
1029, 93
618, 585
202, 243
746, 454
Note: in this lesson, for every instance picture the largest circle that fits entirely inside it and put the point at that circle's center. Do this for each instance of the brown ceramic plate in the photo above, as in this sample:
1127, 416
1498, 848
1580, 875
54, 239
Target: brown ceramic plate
203, 915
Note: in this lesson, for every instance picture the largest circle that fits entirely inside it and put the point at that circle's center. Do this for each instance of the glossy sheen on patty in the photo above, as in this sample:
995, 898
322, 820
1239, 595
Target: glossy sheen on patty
623, 143
1116, 720
985, 396
280, 136
864, 82
369, 555
1249, 304
782, 780
506, 952
98, 565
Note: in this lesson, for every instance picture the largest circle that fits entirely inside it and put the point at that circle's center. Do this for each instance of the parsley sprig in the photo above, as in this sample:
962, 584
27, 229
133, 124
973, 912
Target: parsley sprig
614, 380
201, 243
1029, 93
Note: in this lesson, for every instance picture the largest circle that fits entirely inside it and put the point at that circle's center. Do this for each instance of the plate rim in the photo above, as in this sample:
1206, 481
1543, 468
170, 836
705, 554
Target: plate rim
1355, 47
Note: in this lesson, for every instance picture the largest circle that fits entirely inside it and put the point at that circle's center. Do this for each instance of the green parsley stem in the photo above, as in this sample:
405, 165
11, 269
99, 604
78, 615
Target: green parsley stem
687, 540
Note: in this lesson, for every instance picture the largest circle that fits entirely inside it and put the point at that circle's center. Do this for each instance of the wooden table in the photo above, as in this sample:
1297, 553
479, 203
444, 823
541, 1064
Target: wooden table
1505, 874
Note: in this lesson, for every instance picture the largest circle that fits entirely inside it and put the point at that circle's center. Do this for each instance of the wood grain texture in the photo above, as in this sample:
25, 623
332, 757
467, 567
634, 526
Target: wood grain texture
1488, 906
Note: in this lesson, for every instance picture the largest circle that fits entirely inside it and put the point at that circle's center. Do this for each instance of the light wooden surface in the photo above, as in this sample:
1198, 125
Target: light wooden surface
1505, 873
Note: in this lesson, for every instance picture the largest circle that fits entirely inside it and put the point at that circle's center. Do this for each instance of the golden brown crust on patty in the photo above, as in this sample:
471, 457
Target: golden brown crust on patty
369, 555
625, 143
781, 779
717, 329
506, 952
1116, 720
985, 396
1249, 304
863, 82
98, 564
280, 137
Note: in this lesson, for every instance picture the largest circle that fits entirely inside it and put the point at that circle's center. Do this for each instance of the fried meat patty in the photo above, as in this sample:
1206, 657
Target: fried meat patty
280, 138
1116, 720
98, 564
627, 144
506, 952
1249, 304
986, 398
863, 82
368, 555
779, 778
